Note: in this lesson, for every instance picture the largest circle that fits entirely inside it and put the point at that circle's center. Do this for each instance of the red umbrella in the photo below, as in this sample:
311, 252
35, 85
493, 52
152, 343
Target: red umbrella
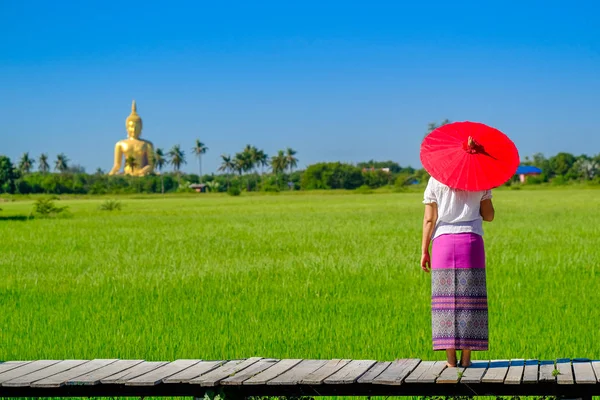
469, 156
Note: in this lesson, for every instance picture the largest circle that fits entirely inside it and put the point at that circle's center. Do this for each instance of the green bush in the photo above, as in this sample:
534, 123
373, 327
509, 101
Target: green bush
559, 180
333, 175
184, 187
45, 207
534, 180
376, 178
234, 190
403, 180
213, 186
364, 189
269, 187
111, 205
8, 175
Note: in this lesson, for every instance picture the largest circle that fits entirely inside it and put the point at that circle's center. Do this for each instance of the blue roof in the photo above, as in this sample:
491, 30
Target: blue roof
527, 169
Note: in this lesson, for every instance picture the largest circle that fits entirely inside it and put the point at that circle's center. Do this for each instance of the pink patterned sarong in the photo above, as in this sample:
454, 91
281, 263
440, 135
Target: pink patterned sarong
459, 308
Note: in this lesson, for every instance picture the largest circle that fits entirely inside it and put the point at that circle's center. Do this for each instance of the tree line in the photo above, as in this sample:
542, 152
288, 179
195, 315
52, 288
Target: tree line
249, 159
239, 172
245, 169
251, 169
559, 169
564, 167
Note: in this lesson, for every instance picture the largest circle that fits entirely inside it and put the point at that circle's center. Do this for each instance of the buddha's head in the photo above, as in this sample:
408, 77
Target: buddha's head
133, 123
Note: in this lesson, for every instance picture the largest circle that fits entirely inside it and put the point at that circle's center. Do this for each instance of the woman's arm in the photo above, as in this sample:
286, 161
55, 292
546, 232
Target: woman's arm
429, 221
486, 209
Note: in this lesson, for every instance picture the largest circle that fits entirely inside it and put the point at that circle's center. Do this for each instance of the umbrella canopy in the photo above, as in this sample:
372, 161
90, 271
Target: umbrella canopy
469, 156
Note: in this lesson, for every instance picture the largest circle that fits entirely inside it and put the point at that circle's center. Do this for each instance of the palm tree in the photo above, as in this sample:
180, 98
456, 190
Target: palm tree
433, 126
252, 152
278, 164
262, 159
159, 163
199, 149
291, 161
131, 162
62, 163
159, 159
26, 163
176, 159
43, 165
253, 156
227, 165
243, 162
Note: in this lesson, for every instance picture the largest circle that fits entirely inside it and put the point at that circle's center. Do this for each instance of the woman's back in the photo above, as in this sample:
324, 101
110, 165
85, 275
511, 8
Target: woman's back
458, 211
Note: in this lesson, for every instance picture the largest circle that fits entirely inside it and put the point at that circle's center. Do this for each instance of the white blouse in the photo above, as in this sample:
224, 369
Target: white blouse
458, 210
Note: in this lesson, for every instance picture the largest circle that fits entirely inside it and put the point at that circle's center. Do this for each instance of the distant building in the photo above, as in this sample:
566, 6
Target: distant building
373, 169
198, 187
525, 170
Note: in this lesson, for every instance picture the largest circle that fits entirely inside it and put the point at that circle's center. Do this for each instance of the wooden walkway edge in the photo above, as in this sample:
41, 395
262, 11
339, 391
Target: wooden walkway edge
259, 376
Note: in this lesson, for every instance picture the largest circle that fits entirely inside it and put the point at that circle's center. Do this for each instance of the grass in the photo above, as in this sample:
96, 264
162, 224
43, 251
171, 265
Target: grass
303, 276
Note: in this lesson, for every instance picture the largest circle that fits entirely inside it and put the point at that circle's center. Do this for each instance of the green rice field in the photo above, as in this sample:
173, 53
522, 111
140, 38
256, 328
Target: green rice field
287, 276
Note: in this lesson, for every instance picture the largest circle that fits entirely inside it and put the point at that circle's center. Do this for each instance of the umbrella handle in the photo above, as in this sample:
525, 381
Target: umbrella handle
474, 147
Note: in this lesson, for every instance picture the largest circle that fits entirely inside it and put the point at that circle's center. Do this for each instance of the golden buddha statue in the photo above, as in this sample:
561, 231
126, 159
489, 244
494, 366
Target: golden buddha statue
138, 153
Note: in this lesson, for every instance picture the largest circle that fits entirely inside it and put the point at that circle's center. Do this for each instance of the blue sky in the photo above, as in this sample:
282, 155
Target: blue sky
335, 80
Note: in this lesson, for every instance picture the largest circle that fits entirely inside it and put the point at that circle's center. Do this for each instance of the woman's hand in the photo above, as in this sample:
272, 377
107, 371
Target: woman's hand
426, 262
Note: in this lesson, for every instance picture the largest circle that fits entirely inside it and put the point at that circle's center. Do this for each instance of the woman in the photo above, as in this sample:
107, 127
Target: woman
453, 221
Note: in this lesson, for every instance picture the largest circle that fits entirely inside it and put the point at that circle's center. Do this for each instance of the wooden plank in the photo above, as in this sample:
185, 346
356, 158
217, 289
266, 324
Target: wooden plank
297, 373
350, 373
547, 372
61, 379
276, 370
565, 372
133, 372
94, 377
157, 375
450, 375
531, 371
8, 365
584, 373
27, 380
426, 372
433, 373
229, 368
249, 372
397, 372
318, 376
515, 372
194, 371
420, 370
374, 372
474, 373
26, 369
596, 367
496, 371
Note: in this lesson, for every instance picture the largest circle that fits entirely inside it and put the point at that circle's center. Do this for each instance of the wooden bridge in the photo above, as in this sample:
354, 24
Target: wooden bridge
295, 377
